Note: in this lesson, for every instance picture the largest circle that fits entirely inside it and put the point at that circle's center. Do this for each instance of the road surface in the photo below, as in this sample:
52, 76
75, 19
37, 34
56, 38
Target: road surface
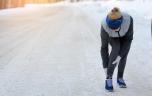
55, 51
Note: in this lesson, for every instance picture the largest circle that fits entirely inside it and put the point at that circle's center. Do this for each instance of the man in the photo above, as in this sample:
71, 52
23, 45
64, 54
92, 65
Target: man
116, 30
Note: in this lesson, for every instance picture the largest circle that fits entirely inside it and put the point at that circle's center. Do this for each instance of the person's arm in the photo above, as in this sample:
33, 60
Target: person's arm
104, 47
127, 40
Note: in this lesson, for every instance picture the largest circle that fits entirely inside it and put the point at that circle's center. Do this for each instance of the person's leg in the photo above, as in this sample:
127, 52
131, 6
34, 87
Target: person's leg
115, 44
124, 50
121, 67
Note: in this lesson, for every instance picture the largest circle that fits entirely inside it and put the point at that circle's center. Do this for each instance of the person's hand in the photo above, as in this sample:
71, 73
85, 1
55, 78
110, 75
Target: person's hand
117, 60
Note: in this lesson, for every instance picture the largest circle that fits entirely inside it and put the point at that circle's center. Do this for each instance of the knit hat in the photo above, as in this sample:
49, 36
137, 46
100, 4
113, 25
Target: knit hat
114, 18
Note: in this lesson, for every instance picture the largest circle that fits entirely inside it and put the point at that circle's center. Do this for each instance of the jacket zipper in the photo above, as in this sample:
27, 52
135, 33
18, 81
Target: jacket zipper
119, 33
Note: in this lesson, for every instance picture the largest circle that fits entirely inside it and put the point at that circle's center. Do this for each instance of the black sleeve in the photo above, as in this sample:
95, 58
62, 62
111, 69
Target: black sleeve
126, 41
104, 47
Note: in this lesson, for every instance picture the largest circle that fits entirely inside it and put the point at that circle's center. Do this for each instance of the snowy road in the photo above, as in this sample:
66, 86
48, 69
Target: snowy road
54, 51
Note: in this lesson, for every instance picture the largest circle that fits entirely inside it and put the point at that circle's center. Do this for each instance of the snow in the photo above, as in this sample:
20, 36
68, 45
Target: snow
54, 50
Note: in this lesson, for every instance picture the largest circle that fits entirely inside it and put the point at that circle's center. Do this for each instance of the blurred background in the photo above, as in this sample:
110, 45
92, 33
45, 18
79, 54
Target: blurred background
20, 3
52, 48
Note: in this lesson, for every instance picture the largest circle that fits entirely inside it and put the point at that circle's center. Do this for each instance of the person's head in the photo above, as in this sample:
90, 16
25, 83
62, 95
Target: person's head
114, 19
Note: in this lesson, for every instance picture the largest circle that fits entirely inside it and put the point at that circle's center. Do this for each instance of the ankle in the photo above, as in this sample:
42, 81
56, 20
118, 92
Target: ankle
109, 77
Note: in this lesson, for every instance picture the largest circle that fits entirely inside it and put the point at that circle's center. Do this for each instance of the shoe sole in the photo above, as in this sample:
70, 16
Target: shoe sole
122, 86
109, 90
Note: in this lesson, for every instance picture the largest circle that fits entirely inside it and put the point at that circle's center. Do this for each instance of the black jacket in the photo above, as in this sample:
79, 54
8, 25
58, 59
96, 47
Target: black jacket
106, 39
